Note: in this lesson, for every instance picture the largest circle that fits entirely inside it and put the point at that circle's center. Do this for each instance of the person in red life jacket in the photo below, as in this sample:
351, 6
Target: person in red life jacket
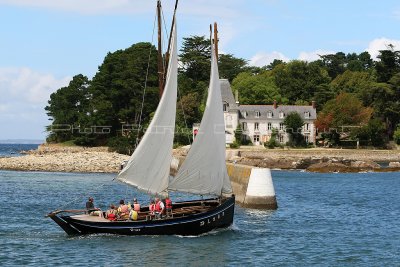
136, 205
111, 214
168, 206
123, 210
152, 207
160, 207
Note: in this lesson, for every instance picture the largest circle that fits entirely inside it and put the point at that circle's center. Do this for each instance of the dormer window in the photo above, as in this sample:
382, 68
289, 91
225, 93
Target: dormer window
307, 115
257, 114
244, 114
269, 114
281, 115
225, 107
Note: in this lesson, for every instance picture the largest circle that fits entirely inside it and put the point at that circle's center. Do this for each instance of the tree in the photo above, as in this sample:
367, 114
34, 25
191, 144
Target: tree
388, 65
345, 110
257, 89
294, 124
117, 88
69, 106
195, 58
352, 82
229, 66
298, 80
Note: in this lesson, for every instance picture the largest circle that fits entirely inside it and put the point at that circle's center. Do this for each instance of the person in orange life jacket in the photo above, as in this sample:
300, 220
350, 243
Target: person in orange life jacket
136, 205
123, 210
160, 207
111, 214
168, 205
152, 207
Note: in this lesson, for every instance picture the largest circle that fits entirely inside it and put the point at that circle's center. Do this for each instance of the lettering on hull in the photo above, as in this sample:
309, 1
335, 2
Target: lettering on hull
213, 219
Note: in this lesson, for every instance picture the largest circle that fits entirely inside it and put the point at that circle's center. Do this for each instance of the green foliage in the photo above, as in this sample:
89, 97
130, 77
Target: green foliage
257, 89
238, 135
294, 124
229, 66
396, 135
346, 109
388, 65
298, 80
373, 133
273, 142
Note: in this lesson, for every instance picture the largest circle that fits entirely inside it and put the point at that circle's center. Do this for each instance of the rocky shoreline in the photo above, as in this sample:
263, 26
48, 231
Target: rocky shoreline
55, 158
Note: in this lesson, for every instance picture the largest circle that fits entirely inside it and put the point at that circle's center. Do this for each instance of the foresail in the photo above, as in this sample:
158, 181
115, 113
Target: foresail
149, 166
204, 169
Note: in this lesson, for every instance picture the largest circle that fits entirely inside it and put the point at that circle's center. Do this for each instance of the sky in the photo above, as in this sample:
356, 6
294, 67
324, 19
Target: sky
44, 43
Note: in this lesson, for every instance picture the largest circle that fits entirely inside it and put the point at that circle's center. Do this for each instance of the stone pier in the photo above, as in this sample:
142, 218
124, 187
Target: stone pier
252, 186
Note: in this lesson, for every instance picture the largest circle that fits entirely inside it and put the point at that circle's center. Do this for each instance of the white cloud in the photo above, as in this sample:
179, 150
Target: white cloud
263, 59
27, 86
314, 55
381, 44
24, 94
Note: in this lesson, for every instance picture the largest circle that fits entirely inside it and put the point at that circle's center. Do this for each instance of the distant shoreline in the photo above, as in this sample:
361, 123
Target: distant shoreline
58, 158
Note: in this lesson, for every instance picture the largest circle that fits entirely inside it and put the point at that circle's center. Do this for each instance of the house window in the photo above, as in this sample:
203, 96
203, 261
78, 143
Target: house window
281, 115
256, 126
257, 114
307, 138
281, 126
307, 126
225, 107
256, 138
269, 114
269, 127
280, 137
229, 121
306, 115
244, 126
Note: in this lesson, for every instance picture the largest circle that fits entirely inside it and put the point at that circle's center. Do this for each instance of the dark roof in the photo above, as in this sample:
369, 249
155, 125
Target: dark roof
263, 109
227, 95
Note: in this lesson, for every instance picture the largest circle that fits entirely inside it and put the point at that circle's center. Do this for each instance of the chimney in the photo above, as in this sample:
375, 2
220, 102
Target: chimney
313, 104
237, 97
275, 105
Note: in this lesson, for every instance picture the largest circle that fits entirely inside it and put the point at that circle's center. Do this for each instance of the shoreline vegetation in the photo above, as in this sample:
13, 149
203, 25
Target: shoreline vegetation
59, 158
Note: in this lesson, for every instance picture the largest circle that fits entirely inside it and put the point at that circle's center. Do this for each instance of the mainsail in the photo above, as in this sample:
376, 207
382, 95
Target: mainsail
149, 166
204, 170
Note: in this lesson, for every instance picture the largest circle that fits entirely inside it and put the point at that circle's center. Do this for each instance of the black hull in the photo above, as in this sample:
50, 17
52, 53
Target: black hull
196, 224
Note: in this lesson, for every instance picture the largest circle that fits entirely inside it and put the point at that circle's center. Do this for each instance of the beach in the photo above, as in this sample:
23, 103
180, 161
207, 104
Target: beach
57, 158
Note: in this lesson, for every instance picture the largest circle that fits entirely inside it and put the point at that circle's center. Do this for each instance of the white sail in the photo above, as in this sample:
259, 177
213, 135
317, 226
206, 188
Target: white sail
149, 166
204, 169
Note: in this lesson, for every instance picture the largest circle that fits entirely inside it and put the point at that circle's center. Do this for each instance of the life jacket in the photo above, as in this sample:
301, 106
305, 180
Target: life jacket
136, 207
158, 206
168, 203
111, 217
123, 209
152, 207
133, 215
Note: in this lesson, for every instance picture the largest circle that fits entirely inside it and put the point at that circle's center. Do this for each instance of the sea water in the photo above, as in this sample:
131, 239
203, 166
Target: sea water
12, 150
322, 220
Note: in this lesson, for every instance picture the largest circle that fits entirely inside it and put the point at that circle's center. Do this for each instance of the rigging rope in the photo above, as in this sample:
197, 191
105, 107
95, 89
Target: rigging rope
145, 83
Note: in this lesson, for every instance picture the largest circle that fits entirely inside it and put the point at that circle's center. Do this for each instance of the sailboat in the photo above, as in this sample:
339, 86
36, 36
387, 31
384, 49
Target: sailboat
203, 172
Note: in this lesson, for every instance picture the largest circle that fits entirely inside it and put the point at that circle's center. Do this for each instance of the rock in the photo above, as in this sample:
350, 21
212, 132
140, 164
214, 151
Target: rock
330, 167
368, 165
394, 164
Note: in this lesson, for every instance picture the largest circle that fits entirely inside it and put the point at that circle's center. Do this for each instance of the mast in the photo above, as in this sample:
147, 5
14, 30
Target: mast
169, 42
160, 57
216, 40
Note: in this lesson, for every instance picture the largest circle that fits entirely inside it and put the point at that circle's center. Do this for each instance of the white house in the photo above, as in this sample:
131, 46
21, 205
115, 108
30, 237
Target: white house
257, 121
